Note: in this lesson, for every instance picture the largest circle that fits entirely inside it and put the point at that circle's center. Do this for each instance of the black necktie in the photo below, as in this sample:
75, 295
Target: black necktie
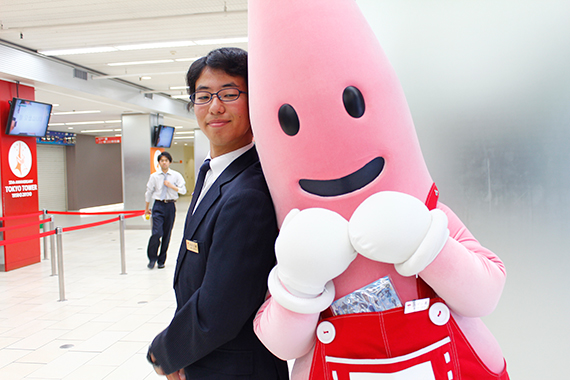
199, 183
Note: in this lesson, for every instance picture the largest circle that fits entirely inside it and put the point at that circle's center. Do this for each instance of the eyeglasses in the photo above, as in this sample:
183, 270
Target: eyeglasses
225, 95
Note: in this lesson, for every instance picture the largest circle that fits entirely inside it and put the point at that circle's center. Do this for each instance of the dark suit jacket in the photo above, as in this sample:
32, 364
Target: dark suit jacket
220, 288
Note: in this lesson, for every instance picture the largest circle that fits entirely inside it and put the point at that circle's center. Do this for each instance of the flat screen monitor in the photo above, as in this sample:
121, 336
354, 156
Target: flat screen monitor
28, 118
164, 135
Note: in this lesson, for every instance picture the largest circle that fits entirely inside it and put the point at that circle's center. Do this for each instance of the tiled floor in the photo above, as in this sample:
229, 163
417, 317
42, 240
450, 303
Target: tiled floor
104, 327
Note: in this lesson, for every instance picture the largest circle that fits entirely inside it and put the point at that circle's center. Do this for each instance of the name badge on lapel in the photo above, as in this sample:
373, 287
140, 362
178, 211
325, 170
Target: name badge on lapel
192, 246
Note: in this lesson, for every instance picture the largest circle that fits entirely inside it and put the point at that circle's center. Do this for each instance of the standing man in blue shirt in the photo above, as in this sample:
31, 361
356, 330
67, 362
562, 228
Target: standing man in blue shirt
163, 186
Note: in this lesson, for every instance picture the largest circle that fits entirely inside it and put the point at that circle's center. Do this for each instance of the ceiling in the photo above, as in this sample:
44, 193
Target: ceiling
189, 28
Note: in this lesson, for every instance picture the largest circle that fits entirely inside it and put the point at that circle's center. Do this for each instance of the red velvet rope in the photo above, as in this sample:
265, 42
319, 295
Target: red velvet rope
21, 216
25, 225
130, 214
26, 238
74, 228
133, 215
95, 213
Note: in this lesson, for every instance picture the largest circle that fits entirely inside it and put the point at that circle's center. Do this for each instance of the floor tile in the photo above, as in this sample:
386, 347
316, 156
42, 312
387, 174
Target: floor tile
63, 313
28, 328
9, 356
119, 353
130, 322
100, 342
16, 371
115, 314
7, 341
37, 340
91, 372
46, 353
86, 331
63, 365
137, 367
145, 333
73, 321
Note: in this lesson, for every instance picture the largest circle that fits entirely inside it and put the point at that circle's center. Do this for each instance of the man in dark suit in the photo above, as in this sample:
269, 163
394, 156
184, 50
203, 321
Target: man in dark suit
227, 248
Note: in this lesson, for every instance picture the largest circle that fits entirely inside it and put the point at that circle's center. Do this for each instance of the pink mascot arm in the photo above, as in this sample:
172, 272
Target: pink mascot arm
288, 335
469, 277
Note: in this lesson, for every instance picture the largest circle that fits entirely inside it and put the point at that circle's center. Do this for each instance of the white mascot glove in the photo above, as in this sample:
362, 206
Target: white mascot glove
312, 248
398, 228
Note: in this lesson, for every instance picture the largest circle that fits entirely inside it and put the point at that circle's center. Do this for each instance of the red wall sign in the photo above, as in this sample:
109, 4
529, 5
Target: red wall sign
108, 140
19, 182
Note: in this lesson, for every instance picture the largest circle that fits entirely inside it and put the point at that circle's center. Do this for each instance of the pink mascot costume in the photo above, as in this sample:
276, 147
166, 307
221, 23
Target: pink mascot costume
375, 279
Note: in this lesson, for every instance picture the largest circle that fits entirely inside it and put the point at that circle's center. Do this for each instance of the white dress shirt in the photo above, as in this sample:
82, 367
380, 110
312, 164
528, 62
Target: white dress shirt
217, 167
156, 184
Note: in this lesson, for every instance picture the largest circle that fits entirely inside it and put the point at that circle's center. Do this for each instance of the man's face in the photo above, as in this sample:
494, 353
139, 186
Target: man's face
164, 163
226, 125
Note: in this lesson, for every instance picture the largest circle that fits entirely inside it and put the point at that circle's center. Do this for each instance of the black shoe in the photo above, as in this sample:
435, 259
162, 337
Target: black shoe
151, 264
160, 266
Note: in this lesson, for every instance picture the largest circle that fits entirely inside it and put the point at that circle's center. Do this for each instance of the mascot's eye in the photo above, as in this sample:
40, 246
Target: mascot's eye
288, 119
353, 101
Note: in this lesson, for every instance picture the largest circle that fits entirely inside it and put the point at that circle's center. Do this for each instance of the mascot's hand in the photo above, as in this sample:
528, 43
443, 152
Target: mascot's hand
397, 228
312, 248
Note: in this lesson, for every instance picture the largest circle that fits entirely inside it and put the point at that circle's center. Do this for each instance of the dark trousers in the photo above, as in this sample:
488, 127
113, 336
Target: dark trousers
163, 215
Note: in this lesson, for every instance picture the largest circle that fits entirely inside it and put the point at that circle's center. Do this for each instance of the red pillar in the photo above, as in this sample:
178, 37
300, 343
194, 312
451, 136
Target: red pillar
19, 181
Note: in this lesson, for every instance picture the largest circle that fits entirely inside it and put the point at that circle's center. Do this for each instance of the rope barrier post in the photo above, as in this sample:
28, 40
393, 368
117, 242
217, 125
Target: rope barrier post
122, 235
52, 250
58, 232
44, 229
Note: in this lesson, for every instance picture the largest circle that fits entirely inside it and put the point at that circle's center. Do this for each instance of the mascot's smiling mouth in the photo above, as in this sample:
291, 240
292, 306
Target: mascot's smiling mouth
347, 184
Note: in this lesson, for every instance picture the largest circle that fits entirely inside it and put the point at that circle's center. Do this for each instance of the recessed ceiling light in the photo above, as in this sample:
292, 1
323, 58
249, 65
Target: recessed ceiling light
85, 122
152, 45
220, 41
97, 130
74, 112
140, 62
146, 78
156, 45
88, 50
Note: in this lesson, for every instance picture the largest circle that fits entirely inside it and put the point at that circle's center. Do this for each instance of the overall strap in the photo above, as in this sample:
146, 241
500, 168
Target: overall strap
424, 290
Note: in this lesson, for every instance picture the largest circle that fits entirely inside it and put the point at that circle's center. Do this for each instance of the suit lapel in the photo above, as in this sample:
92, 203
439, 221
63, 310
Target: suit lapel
237, 166
193, 220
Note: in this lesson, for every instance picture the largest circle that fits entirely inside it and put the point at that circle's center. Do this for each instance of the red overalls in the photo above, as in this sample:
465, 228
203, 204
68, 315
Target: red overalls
396, 346
391, 345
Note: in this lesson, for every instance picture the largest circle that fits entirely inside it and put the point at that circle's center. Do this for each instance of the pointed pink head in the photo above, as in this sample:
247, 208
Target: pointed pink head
330, 119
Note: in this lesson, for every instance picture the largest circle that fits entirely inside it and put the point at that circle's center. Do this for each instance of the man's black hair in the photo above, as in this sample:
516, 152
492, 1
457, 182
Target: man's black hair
164, 154
232, 61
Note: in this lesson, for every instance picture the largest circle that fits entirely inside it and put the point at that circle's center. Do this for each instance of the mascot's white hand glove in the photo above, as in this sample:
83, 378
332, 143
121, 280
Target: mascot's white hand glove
398, 228
312, 248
